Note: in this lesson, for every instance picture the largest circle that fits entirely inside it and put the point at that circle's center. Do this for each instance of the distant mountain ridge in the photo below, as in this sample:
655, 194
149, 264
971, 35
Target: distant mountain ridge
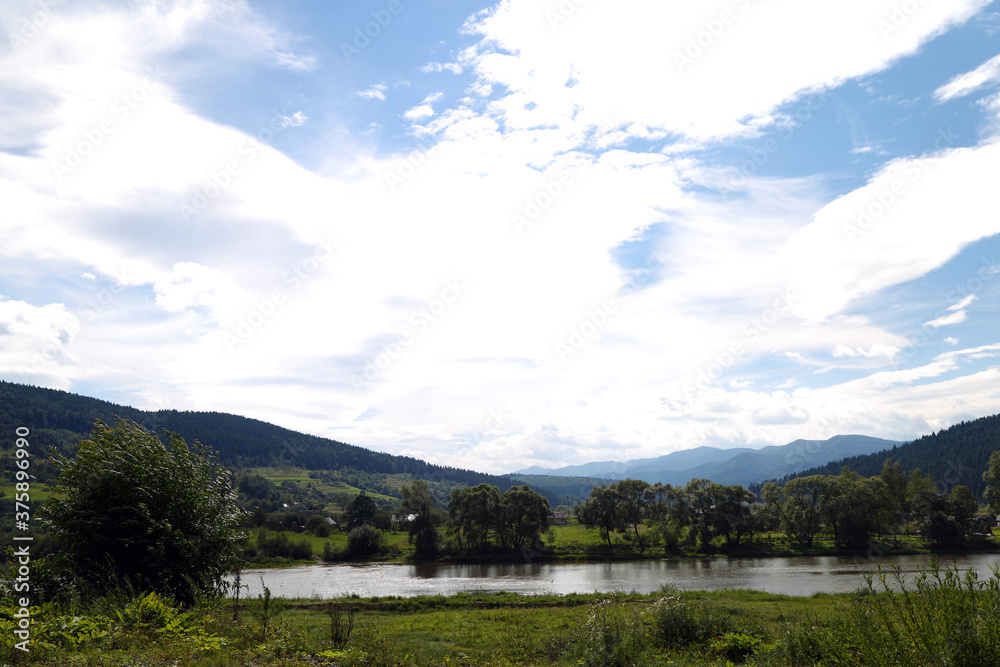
739, 465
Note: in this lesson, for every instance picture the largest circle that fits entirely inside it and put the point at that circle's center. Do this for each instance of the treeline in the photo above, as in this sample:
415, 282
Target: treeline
957, 455
852, 510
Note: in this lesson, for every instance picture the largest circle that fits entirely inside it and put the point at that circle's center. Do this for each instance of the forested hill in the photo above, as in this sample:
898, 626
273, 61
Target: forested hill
60, 419
958, 455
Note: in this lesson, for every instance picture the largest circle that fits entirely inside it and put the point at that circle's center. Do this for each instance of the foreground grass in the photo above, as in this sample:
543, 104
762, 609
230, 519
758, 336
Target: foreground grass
464, 629
937, 617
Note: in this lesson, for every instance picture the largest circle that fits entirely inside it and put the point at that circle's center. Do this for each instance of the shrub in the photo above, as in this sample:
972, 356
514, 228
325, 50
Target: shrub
318, 526
677, 623
809, 644
736, 646
331, 554
279, 546
365, 541
614, 635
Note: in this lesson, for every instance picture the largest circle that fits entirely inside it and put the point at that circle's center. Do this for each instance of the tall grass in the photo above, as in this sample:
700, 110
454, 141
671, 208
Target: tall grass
941, 617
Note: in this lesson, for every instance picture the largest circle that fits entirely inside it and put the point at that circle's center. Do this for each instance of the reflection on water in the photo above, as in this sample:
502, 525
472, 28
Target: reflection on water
803, 575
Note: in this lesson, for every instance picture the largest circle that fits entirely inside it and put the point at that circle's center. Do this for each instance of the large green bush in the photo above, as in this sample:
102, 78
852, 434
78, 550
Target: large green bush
365, 541
135, 512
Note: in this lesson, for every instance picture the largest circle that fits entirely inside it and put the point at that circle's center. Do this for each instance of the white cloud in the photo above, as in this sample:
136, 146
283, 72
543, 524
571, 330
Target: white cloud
295, 120
945, 320
889, 231
35, 343
717, 80
958, 313
963, 84
50, 323
191, 286
433, 67
873, 351
376, 92
419, 112
965, 302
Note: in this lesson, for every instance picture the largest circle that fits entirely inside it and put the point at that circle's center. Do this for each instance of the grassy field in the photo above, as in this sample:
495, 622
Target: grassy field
465, 629
300, 477
39, 492
502, 628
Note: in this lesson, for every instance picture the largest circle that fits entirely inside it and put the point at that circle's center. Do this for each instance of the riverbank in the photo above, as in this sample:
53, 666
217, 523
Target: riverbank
946, 621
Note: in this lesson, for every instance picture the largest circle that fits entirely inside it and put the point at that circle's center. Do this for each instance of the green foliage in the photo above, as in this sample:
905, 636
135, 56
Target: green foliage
631, 503
853, 508
732, 513
360, 512
277, 545
992, 479
266, 608
365, 541
473, 515
523, 516
940, 617
600, 510
318, 526
808, 643
614, 635
947, 520
332, 554
341, 624
678, 623
151, 614
797, 505
423, 532
667, 512
162, 519
736, 646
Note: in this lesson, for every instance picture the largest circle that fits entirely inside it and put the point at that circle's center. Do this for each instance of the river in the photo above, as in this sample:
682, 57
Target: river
802, 575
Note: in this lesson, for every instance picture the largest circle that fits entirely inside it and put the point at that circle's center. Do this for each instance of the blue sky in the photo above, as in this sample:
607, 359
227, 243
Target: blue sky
496, 235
